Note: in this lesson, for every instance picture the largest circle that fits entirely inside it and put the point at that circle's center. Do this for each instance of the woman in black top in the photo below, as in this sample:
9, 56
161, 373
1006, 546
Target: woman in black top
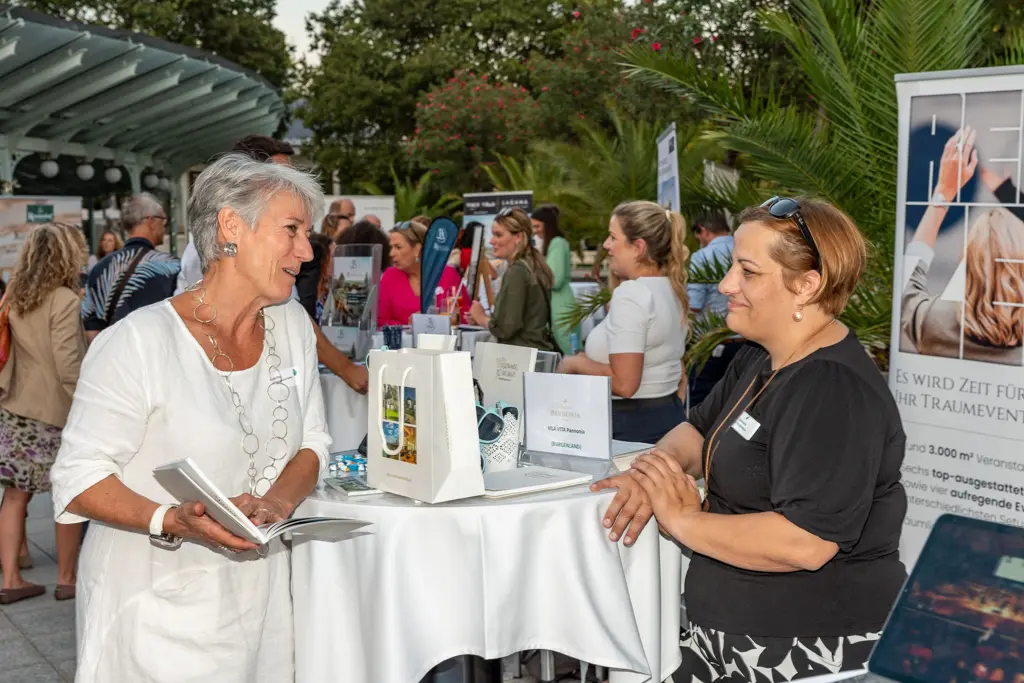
796, 547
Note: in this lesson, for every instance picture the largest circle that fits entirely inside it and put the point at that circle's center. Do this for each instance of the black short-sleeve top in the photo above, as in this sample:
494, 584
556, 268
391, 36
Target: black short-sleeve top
826, 454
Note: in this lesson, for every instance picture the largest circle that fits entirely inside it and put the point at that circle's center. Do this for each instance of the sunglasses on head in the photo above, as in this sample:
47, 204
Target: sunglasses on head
786, 208
507, 211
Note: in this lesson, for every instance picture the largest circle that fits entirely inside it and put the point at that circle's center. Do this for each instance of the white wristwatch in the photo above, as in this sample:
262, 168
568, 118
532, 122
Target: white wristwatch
938, 199
157, 535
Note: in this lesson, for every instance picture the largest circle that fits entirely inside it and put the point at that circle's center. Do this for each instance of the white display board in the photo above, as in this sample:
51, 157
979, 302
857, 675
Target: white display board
568, 415
668, 169
484, 207
382, 206
18, 215
957, 367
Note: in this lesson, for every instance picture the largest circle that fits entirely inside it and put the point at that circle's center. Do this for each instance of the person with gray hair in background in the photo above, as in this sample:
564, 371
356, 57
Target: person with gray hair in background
136, 275
165, 592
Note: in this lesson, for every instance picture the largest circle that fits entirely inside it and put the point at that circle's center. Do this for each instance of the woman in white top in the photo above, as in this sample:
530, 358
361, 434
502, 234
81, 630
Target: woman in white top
640, 344
226, 375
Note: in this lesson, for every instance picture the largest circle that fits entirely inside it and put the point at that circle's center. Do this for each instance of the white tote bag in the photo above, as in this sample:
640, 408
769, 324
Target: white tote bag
422, 438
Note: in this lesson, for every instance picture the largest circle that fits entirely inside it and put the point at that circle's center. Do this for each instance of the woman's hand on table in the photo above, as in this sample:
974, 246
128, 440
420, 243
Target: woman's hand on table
266, 510
477, 314
672, 492
189, 520
629, 511
357, 377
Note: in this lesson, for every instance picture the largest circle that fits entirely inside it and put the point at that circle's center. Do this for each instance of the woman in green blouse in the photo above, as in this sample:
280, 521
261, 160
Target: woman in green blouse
555, 247
522, 307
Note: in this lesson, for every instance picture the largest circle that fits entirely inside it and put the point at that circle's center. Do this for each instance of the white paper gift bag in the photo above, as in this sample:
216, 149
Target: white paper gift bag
422, 439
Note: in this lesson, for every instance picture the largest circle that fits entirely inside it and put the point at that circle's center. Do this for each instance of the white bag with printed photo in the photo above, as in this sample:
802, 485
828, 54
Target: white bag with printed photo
422, 439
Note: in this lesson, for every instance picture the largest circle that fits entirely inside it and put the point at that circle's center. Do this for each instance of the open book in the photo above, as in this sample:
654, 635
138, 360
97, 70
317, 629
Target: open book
186, 482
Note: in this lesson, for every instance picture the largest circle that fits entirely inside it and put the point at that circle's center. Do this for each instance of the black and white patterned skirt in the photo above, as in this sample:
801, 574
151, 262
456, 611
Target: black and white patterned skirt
711, 656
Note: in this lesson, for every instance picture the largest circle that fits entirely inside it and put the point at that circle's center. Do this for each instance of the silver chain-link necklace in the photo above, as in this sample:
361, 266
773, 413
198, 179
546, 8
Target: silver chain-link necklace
276, 446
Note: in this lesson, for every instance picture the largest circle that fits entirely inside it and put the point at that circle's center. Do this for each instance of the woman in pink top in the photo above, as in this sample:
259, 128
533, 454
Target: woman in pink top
400, 284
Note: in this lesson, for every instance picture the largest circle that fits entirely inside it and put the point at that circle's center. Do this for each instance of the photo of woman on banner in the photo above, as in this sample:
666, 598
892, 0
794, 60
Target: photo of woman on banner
981, 318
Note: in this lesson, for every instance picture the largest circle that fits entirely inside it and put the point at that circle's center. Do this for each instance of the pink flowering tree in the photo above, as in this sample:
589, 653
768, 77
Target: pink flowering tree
467, 121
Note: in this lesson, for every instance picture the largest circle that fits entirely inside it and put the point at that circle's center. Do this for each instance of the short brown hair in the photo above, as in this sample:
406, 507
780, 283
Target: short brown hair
843, 252
262, 148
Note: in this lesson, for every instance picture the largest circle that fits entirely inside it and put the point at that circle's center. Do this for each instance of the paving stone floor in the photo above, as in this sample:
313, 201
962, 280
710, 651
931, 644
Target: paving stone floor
37, 636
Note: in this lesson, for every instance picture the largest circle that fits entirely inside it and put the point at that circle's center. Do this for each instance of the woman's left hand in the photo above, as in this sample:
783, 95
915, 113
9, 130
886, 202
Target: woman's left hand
672, 492
261, 511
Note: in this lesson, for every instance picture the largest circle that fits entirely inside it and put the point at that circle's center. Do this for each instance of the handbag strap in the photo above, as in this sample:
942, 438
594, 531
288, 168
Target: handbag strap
401, 411
125, 276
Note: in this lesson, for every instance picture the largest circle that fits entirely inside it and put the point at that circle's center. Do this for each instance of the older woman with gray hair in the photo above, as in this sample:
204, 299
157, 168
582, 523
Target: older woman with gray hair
225, 374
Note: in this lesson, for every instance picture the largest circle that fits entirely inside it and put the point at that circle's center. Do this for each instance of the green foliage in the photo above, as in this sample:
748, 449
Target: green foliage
840, 144
378, 57
416, 198
584, 307
467, 120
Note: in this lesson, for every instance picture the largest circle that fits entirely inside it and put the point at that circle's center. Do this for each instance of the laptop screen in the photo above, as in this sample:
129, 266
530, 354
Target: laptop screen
960, 617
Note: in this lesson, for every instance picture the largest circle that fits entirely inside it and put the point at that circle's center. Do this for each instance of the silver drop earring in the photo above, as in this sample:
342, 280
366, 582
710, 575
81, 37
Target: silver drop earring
230, 249
798, 316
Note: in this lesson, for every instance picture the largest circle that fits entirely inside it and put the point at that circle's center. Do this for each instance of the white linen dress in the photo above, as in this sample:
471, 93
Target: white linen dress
148, 395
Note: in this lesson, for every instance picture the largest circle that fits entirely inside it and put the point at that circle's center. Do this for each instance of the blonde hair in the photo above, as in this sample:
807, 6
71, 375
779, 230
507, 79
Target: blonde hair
841, 248
413, 231
995, 273
664, 234
52, 257
517, 222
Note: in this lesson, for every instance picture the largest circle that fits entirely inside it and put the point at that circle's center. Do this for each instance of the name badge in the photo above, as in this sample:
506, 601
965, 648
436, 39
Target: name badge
746, 426
289, 376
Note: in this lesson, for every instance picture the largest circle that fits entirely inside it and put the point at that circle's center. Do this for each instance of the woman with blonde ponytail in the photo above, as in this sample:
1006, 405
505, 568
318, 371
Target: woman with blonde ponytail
522, 308
640, 344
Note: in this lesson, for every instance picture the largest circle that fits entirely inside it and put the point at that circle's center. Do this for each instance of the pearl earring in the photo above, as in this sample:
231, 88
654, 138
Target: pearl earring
798, 316
230, 249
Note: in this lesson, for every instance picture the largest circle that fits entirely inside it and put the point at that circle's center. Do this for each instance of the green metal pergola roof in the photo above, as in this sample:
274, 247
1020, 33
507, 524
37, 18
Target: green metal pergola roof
120, 98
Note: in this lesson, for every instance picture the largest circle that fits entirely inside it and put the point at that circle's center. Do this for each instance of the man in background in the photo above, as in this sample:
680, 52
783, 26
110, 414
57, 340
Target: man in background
136, 275
339, 218
263, 148
714, 257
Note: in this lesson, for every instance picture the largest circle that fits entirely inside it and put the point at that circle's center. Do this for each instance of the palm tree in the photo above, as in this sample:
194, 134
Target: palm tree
415, 198
842, 146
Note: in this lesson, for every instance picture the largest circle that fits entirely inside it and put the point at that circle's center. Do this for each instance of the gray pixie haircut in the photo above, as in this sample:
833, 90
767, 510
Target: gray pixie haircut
138, 208
238, 182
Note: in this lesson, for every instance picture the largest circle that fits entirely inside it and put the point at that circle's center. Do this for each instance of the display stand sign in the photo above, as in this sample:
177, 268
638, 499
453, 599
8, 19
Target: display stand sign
668, 169
423, 323
499, 370
381, 206
484, 207
349, 317
957, 362
18, 215
569, 415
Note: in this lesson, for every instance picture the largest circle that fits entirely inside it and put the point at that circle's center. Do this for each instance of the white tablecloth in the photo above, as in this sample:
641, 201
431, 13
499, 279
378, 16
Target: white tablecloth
347, 412
487, 578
